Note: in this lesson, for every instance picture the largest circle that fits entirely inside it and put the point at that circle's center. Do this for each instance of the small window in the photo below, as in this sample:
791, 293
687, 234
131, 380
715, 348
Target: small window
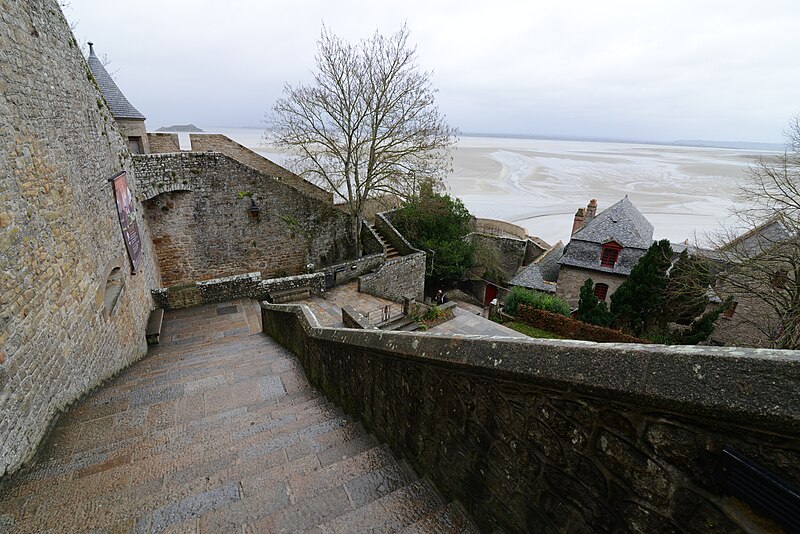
730, 311
600, 291
135, 145
610, 253
114, 285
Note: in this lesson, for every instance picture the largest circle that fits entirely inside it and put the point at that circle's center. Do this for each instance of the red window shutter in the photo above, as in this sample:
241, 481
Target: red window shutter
609, 255
600, 291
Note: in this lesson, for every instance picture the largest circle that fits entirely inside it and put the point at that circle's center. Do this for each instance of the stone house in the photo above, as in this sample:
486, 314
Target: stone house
542, 274
603, 247
757, 273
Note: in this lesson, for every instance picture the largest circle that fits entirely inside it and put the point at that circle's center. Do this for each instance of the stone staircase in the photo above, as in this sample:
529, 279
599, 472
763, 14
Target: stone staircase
218, 430
402, 324
388, 250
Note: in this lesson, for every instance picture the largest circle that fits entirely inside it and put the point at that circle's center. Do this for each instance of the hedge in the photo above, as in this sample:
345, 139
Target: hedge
572, 328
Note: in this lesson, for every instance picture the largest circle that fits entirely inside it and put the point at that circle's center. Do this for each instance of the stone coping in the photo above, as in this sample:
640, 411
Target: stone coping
760, 386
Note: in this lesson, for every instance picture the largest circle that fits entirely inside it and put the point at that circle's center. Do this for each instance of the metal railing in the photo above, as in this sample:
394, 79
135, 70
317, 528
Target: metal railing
384, 314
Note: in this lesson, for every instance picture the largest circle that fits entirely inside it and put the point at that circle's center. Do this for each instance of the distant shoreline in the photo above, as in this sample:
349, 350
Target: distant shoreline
698, 143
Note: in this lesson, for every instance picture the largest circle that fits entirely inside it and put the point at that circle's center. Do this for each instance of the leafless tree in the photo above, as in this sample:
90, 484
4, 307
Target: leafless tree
368, 124
761, 268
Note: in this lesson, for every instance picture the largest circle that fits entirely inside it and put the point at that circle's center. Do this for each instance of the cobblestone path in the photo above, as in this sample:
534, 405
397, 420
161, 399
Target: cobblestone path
217, 430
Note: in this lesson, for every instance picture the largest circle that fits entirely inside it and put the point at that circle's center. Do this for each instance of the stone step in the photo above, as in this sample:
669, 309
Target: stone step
451, 519
390, 513
397, 323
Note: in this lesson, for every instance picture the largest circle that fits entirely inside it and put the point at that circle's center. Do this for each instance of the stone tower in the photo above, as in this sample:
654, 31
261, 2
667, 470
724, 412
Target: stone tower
128, 118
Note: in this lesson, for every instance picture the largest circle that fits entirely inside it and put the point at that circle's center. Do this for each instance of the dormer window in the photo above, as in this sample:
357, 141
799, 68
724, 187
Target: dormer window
610, 254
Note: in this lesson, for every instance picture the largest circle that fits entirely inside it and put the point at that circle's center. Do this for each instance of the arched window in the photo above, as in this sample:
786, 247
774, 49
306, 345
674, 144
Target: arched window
608, 257
600, 291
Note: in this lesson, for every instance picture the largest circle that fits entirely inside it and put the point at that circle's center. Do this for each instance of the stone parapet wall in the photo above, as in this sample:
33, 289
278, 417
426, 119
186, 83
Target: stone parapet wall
563, 436
352, 269
248, 285
60, 236
370, 243
353, 318
225, 145
198, 208
383, 222
498, 228
510, 251
397, 279
160, 143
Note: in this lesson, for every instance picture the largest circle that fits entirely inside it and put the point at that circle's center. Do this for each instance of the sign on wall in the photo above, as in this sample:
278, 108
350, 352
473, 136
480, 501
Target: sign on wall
127, 220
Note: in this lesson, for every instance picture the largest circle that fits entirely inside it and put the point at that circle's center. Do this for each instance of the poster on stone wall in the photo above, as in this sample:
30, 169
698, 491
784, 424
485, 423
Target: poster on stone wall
127, 220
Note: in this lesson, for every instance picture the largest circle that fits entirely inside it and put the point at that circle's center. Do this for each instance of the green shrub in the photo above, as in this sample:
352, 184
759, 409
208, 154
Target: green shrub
534, 299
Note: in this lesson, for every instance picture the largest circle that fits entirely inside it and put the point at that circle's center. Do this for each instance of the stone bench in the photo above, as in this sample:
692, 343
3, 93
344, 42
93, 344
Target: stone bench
154, 324
289, 295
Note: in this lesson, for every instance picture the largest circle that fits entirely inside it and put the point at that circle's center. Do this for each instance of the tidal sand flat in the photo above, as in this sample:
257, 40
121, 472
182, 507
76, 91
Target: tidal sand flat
539, 184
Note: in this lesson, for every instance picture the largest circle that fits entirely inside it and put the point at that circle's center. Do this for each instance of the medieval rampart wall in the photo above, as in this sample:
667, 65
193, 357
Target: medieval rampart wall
198, 206
71, 313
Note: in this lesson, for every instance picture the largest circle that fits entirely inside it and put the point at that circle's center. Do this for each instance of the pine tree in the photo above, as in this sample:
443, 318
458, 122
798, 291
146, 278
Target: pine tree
639, 302
591, 309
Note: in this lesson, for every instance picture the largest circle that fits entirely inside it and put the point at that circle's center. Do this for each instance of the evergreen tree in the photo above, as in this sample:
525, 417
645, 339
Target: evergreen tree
438, 224
591, 309
639, 302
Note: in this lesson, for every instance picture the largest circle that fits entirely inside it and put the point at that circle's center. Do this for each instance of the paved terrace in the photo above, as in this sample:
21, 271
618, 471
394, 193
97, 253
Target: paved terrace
467, 320
217, 430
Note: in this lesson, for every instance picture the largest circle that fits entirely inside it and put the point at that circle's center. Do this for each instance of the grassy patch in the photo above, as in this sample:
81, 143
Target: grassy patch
531, 331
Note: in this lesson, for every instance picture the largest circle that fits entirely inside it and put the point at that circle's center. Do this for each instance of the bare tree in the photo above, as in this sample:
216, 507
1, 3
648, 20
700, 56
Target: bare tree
761, 268
368, 124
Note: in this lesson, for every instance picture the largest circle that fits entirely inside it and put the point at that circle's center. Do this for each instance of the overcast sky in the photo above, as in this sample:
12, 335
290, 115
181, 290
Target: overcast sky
660, 71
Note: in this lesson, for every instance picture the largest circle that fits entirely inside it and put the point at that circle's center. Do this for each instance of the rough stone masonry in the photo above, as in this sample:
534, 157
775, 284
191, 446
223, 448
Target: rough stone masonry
60, 237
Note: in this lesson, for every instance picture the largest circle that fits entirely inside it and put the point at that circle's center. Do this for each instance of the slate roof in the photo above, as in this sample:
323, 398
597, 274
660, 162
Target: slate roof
542, 273
622, 223
759, 238
119, 105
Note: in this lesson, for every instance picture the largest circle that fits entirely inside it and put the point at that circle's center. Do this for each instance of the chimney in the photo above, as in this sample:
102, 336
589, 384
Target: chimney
591, 210
577, 224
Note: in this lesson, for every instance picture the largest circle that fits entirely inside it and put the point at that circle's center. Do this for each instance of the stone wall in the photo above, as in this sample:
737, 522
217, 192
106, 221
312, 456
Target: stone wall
160, 143
370, 244
134, 128
352, 269
383, 222
570, 280
563, 436
248, 285
510, 252
232, 149
60, 237
198, 210
398, 278
497, 227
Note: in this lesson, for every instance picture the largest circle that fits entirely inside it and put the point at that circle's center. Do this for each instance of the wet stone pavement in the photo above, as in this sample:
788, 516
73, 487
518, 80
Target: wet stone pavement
217, 430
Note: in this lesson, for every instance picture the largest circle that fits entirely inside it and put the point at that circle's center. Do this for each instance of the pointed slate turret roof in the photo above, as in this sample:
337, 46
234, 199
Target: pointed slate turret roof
120, 107
622, 223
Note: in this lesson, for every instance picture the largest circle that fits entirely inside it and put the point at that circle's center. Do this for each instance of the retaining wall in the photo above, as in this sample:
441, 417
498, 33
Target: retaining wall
397, 279
563, 436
